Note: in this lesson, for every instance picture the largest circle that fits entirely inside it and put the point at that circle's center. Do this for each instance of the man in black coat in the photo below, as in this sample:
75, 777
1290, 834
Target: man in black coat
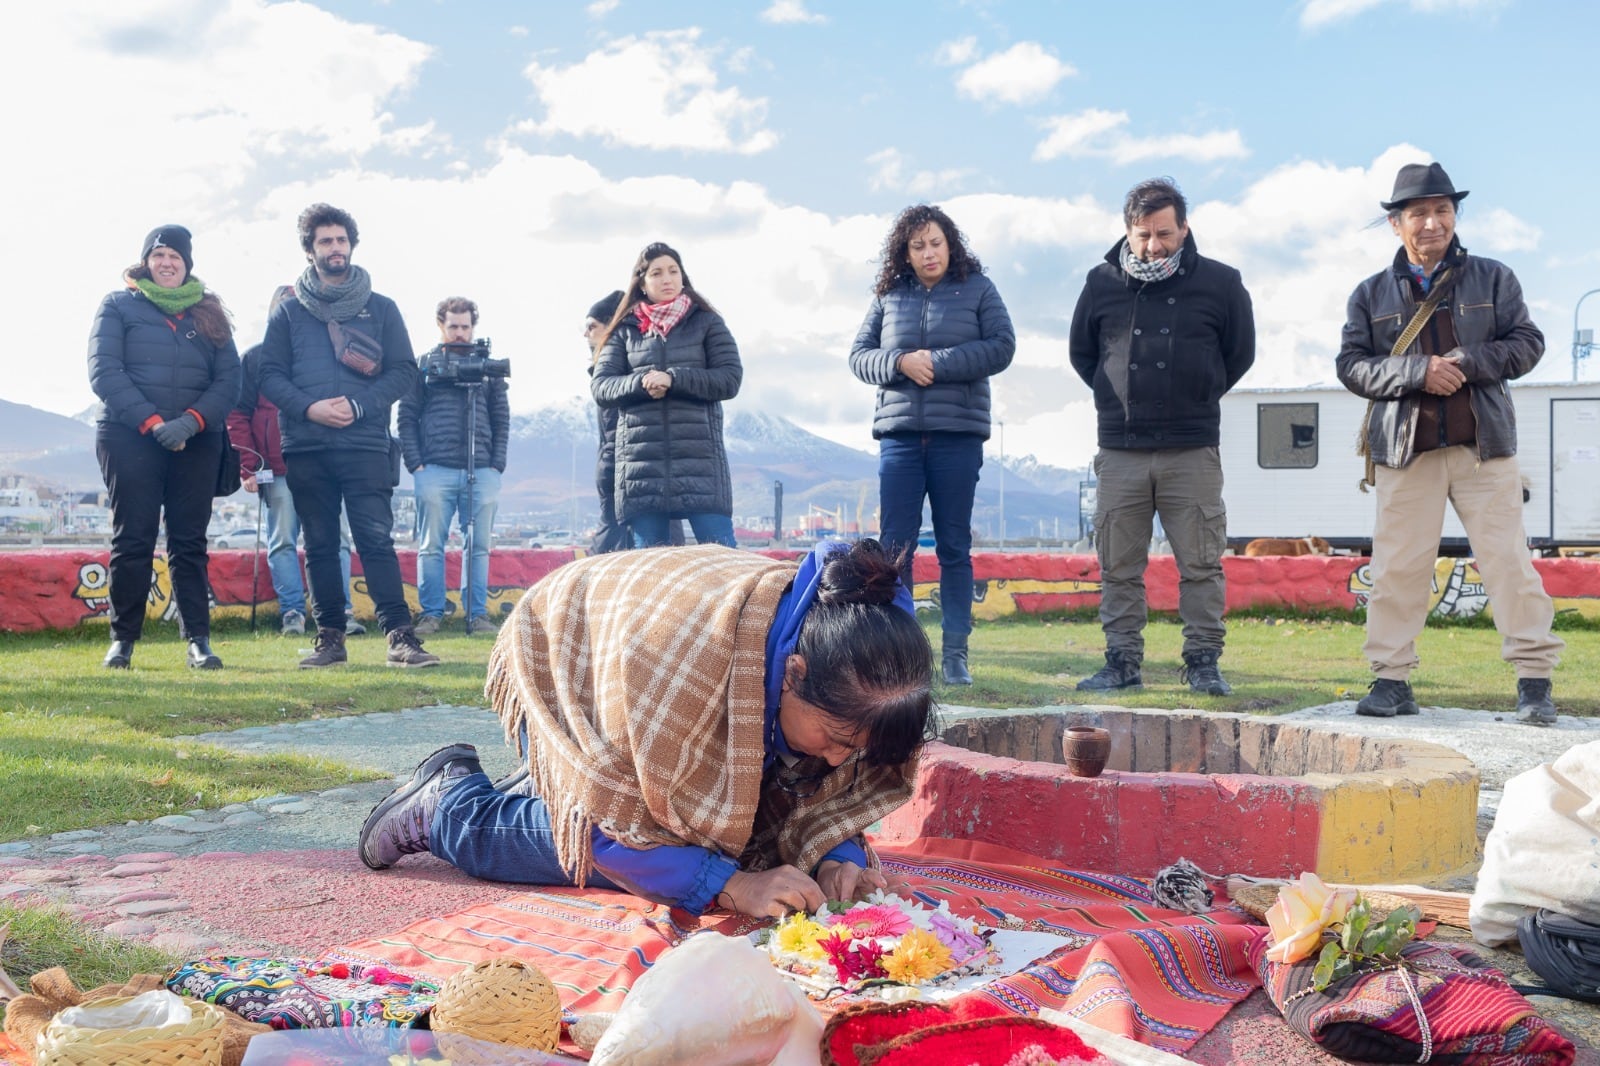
335, 360
1160, 333
433, 427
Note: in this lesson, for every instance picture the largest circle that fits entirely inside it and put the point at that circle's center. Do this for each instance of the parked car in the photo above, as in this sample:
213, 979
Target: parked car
553, 538
236, 538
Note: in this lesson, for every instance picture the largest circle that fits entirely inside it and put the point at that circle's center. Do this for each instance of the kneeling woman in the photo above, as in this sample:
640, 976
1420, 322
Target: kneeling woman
701, 725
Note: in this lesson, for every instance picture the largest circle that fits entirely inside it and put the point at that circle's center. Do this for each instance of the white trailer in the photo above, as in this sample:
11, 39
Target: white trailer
1290, 467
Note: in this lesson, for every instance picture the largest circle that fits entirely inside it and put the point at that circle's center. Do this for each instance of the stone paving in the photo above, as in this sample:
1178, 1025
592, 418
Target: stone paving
120, 878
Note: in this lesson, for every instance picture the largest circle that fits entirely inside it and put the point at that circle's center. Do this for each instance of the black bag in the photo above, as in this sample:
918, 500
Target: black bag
1564, 952
228, 473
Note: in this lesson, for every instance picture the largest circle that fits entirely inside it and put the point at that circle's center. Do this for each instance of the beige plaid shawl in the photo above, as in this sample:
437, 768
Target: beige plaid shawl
639, 676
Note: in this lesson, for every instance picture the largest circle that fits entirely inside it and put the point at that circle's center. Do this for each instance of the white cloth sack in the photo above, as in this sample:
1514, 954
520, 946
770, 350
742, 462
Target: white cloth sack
1544, 848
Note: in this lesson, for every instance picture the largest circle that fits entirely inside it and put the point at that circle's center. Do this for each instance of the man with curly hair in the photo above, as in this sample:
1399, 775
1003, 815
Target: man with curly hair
1160, 333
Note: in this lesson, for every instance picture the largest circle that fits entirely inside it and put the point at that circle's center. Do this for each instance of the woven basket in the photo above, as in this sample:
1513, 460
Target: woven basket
1255, 897
502, 1000
197, 1043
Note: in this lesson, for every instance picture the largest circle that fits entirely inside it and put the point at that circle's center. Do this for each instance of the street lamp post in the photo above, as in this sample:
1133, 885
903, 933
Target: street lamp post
1580, 343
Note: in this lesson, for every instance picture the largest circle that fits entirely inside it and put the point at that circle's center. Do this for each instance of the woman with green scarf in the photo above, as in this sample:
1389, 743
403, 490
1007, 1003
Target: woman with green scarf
163, 362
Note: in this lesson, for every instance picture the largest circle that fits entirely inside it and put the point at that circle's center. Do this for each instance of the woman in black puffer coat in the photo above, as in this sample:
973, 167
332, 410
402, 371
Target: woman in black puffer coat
163, 362
937, 329
666, 364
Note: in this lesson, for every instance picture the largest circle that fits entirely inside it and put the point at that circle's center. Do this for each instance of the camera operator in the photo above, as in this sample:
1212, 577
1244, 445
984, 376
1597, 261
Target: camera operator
433, 439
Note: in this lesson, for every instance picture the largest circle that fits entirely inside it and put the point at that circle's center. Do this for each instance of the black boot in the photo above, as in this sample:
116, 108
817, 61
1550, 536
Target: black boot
1386, 698
953, 663
1120, 671
201, 657
119, 656
1535, 706
1200, 670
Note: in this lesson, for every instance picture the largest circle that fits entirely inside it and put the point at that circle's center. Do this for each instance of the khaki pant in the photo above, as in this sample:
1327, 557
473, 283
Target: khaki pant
1183, 486
1488, 498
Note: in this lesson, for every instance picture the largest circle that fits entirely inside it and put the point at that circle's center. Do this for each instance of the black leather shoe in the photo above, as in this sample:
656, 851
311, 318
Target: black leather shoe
1120, 671
1387, 698
120, 655
1534, 703
954, 668
201, 657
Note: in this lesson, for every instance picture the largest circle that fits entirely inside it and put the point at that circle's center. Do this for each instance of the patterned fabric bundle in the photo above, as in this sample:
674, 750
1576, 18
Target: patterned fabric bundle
963, 1033
1448, 1005
301, 994
639, 679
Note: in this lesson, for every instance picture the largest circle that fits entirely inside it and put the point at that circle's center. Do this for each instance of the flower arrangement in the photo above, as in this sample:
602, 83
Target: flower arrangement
1337, 924
885, 940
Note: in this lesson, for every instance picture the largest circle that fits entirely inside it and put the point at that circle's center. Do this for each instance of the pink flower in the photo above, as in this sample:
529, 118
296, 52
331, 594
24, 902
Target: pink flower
962, 942
872, 921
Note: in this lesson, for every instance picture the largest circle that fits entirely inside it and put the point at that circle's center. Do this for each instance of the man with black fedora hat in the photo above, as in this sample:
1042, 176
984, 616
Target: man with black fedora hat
1431, 342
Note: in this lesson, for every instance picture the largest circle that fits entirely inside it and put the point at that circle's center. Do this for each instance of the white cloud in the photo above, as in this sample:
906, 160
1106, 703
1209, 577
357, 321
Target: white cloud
891, 172
1498, 230
1314, 14
599, 9
659, 90
1097, 134
788, 12
957, 53
1021, 74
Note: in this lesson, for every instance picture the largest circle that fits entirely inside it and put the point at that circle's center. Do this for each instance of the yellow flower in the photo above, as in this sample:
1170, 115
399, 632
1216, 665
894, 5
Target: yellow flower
800, 935
1303, 911
918, 957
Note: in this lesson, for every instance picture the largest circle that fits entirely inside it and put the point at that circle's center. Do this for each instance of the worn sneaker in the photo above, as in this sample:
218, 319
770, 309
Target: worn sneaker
517, 783
428, 625
406, 650
352, 628
1534, 703
399, 824
327, 651
483, 625
1387, 698
1120, 671
1200, 670
294, 623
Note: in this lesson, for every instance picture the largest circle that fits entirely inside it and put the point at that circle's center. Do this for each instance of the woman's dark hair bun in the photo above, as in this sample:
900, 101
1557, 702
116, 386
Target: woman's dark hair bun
861, 573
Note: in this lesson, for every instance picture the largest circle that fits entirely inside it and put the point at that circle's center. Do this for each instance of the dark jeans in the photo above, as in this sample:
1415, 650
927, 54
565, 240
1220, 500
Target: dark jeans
943, 468
322, 482
143, 479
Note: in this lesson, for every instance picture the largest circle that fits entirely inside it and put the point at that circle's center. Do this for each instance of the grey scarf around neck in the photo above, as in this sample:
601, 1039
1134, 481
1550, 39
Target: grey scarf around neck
1153, 270
333, 303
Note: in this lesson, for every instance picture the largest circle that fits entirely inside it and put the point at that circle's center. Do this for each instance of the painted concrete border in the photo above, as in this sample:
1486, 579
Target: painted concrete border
1234, 793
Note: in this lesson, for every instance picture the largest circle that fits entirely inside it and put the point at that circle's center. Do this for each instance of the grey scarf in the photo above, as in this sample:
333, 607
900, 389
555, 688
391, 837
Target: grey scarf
333, 303
1152, 270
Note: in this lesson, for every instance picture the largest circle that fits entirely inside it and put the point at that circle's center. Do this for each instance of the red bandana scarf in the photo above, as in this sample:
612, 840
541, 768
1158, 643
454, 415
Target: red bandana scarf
660, 318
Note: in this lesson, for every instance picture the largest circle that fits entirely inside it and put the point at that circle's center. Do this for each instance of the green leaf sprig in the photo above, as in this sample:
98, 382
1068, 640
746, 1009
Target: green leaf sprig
1357, 942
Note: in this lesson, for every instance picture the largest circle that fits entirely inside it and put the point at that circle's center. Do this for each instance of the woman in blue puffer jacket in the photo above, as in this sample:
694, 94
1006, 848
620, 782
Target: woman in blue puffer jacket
936, 332
163, 362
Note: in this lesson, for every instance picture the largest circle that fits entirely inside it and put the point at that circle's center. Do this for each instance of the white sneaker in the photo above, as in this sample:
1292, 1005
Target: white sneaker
294, 622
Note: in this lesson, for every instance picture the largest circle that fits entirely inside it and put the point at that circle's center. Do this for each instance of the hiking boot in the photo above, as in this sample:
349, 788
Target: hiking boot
954, 668
1120, 671
352, 628
327, 651
1200, 670
119, 656
428, 625
294, 622
1534, 703
517, 783
406, 650
200, 655
399, 824
484, 624
1387, 698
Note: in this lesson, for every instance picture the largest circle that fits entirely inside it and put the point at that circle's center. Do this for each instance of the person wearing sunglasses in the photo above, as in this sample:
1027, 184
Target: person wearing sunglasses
701, 727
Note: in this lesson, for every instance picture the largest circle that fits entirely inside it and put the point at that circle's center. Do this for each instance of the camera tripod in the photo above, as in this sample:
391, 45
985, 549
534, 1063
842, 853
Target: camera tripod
469, 519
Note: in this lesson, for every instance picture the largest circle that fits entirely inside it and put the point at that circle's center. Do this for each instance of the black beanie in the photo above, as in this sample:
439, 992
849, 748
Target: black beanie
172, 236
603, 310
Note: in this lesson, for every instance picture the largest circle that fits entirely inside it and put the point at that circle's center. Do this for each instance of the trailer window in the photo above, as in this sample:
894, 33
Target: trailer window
1286, 436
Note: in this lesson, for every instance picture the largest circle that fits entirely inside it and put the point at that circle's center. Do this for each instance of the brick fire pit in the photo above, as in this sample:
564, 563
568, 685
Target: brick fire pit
1232, 793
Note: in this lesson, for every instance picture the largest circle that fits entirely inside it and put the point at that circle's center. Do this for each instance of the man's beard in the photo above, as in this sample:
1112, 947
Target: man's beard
327, 270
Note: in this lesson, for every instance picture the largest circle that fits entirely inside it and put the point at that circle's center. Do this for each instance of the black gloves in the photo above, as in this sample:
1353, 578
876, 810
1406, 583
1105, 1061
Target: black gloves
174, 434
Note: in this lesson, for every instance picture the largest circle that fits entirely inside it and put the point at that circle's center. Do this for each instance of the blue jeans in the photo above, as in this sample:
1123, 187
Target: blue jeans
283, 554
650, 529
943, 469
442, 493
499, 837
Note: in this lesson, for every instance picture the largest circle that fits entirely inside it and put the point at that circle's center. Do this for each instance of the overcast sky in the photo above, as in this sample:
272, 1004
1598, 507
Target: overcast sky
522, 153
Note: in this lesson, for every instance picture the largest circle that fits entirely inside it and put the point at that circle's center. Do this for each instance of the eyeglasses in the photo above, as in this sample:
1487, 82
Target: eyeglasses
805, 778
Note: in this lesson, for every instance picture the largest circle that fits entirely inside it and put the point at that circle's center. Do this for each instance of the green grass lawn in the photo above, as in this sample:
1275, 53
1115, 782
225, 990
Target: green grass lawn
81, 746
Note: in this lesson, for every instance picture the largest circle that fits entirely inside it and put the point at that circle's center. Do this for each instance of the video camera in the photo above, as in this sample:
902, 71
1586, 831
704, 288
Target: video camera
462, 364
